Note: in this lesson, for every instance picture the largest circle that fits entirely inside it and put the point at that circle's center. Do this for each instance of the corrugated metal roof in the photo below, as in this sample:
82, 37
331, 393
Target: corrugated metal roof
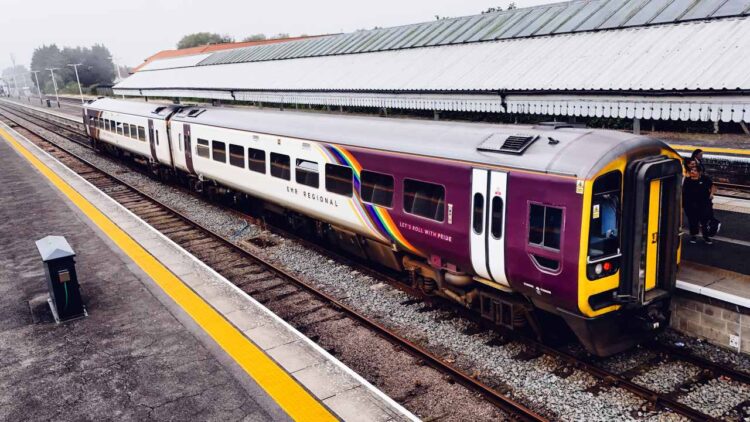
552, 19
702, 55
641, 71
210, 48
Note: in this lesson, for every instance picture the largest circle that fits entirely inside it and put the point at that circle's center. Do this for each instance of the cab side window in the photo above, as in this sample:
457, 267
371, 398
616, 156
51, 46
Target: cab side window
545, 226
545, 233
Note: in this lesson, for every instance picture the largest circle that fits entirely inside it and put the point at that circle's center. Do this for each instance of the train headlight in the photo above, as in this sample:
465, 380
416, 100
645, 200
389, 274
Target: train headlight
598, 269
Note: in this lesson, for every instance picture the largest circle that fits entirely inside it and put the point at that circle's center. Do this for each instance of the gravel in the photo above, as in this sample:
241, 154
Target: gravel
717, 396
668, 376
706, 350
573, 396
627, 361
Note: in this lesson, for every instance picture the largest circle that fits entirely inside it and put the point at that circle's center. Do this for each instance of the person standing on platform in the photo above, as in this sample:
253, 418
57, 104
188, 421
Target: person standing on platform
697, 192
697, 156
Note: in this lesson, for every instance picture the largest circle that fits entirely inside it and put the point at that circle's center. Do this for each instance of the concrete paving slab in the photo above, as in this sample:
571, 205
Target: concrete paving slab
324, 380
268, 336
294, 356
355, 404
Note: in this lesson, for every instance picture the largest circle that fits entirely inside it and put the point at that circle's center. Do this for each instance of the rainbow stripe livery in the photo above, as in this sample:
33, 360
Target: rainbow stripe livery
375, 217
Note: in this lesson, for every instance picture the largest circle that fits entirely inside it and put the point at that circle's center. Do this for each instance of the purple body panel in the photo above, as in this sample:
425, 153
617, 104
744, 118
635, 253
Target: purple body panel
450, 242
520, 267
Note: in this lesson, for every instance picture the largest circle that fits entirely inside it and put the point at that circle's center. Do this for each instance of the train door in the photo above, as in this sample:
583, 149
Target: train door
652, 238
488, 197
188, 148
151, 140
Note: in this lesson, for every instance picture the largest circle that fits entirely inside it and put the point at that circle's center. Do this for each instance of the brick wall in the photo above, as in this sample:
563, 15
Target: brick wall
712, 322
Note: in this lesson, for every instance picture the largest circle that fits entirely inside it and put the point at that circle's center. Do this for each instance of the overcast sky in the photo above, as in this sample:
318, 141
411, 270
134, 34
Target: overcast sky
135, 29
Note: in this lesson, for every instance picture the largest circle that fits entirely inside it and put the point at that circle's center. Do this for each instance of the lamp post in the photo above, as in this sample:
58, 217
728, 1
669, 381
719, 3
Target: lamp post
54, 84
80, 91
15, 82
38, 89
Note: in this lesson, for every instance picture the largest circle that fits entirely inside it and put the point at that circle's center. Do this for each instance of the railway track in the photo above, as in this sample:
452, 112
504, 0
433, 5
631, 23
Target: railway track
607, 378
270, 284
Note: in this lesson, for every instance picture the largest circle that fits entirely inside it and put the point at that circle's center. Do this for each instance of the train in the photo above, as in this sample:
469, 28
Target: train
530, 226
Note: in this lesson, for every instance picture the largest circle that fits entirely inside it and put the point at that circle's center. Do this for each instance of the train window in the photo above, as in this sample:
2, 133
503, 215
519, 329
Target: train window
604, 238
256, 160
101, 123
107, 127
376, 188
120, 130
339, 179
424, 199
156, 132
126, 130
202, 148
142, 133
280, 166
306, 173
478, 213
179, 141
236, 155
496, 217
545, 226
219, 151
134, 131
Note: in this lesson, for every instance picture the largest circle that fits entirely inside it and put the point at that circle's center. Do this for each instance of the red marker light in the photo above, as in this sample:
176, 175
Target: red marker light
607, 266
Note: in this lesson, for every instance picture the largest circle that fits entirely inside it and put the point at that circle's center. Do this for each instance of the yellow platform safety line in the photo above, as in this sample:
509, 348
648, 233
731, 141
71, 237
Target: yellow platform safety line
711, 149
285, 390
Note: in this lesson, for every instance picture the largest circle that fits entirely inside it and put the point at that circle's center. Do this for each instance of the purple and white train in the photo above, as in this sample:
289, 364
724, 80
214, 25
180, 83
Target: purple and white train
523, 224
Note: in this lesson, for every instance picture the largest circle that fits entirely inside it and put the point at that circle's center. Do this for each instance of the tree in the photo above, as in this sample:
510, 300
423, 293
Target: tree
202, 38
280, 35
511, 6
46, 57
254, 37
96, 65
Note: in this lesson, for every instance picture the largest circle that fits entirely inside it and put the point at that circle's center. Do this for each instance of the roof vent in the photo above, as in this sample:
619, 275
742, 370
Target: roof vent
158, 110
196, 112
513, 144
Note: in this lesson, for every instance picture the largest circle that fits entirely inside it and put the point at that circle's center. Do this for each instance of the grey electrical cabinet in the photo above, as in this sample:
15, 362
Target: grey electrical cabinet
62, 280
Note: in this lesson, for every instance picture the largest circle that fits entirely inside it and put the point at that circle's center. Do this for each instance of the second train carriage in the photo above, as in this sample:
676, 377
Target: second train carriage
508, 220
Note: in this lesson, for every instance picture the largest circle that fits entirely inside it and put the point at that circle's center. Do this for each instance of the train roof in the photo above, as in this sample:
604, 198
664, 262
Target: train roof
576, 152
136, 108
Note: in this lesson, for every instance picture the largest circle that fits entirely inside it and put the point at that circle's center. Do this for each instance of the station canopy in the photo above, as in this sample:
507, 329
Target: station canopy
648, 59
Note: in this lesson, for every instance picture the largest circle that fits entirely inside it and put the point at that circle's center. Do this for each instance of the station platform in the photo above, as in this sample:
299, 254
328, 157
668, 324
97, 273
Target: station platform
66, 112
713, 282
166, 338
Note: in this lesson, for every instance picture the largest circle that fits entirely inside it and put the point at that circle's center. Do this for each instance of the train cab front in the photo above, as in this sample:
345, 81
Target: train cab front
629, 253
